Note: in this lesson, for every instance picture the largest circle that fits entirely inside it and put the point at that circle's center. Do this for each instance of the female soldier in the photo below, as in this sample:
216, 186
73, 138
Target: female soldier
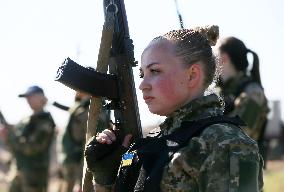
197, 149
242, 89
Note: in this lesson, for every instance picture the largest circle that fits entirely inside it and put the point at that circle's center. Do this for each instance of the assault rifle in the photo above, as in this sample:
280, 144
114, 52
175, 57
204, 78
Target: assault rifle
113, 78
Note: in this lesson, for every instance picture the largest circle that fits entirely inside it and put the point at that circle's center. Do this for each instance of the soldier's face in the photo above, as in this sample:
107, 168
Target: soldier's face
164, 84
36, 101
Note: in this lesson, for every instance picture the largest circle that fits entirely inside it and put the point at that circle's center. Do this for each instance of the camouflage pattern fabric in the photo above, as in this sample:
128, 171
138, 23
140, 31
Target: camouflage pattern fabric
74, 136
30, 142
74, 142
214, 160
73, 145
221, 159
249, 103
72, 173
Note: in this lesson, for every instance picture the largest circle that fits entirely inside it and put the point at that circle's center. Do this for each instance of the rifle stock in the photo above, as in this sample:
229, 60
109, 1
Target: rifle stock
117, 51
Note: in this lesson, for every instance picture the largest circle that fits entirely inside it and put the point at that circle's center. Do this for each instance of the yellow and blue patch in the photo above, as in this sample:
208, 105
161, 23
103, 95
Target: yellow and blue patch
127, 159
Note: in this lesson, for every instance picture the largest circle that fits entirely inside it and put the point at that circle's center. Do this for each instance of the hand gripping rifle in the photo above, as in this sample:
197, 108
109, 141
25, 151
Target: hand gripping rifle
113, 78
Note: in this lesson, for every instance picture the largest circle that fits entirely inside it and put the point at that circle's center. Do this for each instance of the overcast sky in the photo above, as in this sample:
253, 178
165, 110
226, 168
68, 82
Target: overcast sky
37, 35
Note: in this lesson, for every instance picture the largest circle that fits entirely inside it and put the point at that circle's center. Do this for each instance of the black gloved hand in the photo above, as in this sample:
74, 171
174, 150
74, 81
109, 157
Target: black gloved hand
103, 160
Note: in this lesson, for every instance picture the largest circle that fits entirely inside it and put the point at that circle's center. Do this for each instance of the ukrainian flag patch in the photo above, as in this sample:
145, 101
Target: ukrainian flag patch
127, 159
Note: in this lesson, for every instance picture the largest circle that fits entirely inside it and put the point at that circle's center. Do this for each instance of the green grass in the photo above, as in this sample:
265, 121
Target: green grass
274, 181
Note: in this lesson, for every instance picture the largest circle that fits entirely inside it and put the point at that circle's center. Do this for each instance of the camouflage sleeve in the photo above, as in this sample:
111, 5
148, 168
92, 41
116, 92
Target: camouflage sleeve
78, 126
195, 169
251, 106
103, 188
39, 141
180, 174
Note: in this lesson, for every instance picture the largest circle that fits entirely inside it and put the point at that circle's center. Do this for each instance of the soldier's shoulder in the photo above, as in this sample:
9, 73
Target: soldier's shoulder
253, 87
254, 93
45, 120
25, 120
219, 141
227, 135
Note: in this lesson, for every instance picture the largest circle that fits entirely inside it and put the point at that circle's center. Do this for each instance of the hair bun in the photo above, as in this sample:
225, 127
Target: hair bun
211, 32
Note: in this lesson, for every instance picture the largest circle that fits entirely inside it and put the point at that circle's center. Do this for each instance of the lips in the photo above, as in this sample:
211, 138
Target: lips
147, 98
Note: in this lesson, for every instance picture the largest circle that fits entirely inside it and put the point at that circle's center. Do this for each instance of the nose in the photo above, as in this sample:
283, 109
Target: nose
144, 85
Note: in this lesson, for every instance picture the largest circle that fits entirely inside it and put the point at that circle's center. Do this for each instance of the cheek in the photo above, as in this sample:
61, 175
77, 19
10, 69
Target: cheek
170, 89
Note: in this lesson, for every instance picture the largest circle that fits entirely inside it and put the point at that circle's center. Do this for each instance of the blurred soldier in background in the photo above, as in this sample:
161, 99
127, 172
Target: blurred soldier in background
73, 142
29, 142
5, 155
242, 89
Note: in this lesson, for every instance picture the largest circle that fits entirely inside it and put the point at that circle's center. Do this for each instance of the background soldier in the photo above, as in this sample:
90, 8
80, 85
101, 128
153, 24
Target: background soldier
73, 141
30, 142
242, 89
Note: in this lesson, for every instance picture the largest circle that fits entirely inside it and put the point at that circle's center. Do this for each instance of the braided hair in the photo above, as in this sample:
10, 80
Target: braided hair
194, 45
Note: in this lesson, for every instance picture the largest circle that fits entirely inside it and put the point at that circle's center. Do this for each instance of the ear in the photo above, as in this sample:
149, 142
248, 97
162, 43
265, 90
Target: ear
194, 75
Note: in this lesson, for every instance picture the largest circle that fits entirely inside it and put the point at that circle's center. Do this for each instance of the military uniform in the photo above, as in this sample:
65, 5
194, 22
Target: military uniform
213, 161
73, 142
220, 158
30, 142
246, 98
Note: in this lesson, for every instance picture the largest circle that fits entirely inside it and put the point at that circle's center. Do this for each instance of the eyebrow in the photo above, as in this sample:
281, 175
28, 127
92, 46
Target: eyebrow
149, 65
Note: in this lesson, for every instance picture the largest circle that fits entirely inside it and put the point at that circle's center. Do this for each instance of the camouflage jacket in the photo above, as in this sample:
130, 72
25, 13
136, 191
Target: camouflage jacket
30, 141
212, 161
74, 135
218, 160
246, 99
73, 140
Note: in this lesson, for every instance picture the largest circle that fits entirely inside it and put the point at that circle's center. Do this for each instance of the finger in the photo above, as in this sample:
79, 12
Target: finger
127, 141
110, 134
100, 139
103, 138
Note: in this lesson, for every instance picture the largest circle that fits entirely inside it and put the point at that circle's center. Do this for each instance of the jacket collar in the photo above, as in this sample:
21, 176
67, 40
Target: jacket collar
199, 108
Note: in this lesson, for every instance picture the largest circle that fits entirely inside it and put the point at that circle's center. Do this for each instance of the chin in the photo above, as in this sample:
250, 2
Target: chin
156, 111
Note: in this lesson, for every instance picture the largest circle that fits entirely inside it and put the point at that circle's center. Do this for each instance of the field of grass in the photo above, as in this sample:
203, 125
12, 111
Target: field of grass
274, 182
274, 177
